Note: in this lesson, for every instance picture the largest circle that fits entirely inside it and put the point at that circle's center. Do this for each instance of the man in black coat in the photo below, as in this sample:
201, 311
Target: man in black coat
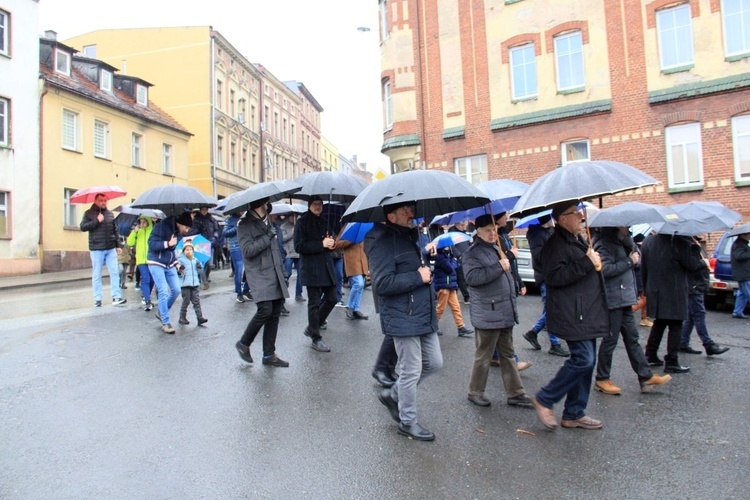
576, 312
205, 225
314, 243
741, 272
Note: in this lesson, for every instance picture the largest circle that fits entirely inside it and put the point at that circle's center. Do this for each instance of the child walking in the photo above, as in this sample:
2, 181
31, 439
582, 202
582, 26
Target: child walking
191, 281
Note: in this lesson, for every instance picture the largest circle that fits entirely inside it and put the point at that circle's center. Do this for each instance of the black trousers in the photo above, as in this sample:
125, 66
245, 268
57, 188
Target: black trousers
387, 356
622, 321
673, 339
190, 295
317, 309
266, 317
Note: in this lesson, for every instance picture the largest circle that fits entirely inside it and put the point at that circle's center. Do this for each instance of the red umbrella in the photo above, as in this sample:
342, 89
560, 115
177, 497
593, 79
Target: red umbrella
88, 195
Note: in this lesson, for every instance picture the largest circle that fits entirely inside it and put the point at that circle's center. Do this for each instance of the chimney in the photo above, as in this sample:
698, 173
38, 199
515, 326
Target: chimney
50, 35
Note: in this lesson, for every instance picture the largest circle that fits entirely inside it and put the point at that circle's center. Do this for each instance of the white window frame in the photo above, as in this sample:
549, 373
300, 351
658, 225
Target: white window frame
141, 93
70, 130
62, 62
524, 66
219, 151
105, 80
89, 51
671, 143
565, 59
740, 131
232, 155
387, 105
101, 143
564, 150
167, 159
383, 10
5, 212
4, 121
744, 27
671, 37
136, 150
4, 33
70, 210
470, 174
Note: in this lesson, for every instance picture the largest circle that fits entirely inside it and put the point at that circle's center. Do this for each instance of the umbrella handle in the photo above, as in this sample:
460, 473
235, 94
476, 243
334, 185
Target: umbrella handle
598, 267
499, 247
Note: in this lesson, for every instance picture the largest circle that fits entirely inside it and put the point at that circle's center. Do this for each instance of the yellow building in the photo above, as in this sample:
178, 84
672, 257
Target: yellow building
98, 128
329, 156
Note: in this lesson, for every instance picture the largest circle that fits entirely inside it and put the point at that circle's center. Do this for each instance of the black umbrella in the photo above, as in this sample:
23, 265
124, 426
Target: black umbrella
330, 186
699, 217
631, 213
173, 199
434, 192
273, 190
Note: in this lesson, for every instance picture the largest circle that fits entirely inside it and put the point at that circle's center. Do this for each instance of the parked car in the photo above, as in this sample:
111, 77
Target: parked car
721, 284
525, 270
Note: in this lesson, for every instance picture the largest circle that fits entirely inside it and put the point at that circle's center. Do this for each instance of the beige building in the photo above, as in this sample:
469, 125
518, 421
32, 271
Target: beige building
329, 157
310, 130
98, 127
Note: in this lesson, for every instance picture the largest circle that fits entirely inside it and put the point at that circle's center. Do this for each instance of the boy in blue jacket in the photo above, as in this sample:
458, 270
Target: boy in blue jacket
190, 268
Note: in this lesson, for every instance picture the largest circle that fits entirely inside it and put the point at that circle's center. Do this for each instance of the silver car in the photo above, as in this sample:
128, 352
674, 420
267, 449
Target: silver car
525, 269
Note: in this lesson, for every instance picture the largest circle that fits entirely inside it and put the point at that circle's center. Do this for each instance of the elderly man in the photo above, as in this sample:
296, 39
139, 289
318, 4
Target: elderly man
104, 247
493, 313
577, 313
407, 313
741, 271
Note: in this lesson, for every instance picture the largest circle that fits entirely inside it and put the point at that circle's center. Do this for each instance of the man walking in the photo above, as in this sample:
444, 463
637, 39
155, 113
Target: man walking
576, 312
741, 271
407, 313
355, 265
104, 247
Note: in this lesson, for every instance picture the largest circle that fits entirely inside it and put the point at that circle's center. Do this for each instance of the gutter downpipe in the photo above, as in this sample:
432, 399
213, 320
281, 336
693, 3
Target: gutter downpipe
262, 126
41, 176
423, 139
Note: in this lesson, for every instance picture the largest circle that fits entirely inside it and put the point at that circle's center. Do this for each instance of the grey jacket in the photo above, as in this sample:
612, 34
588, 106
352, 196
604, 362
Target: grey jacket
492, 290
262, 258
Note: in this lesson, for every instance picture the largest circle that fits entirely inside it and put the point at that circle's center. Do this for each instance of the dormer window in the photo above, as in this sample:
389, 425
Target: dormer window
142, 95
62, 62
105, 81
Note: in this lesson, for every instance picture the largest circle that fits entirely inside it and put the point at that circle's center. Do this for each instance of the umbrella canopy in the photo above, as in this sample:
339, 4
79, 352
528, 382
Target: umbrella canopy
330, 186
88, 195
355, 232
145, 212
281, 208
173, 199
201, 247
578, 181
274, 190
433, 192
741, 229
699, 217
503, 195
450, 238
631, 213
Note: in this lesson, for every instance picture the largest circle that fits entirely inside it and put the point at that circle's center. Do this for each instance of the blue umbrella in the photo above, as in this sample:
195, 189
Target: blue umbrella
355, 231
450, 238
201, 247
503, 195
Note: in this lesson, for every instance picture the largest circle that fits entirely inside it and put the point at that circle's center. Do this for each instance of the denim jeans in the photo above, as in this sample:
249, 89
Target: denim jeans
357, 285
622, 321
573, 380
98, 259
697, 319
167, 287
418, 356
290, 262
742, 297
145, 282
239, 268
338, 266
542, 322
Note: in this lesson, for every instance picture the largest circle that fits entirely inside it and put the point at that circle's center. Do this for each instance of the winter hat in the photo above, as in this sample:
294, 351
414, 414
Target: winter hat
188, 243
560, 208
387, 209
484, 220
185, 219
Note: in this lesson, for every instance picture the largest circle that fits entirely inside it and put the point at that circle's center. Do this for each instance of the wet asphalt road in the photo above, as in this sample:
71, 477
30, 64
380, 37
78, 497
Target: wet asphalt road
98, 403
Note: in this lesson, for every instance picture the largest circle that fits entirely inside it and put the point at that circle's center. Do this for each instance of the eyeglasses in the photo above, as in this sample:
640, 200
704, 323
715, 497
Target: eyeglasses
576, 212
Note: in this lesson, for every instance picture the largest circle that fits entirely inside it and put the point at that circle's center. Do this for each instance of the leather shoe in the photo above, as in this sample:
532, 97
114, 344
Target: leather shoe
244, 352
382, 378
689, 349
654, 361
521, 365
584, 422
530, 336
320, 346
715, 350
479, 400
359, 315
415, 431
676, 369
274, 360
559, 350
387, 400
324, 325
464, 332
546, 415
521, 400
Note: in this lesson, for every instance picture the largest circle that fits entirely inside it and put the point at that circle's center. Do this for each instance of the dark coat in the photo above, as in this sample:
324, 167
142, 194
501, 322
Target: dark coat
316, 262
617, 268
159, 251
492, 290
370, 238
102, 235
407, 306
444, 277
206, 226
740, 256
506, 244
576, 303
537, 236
667, 261
260, 254
698, 280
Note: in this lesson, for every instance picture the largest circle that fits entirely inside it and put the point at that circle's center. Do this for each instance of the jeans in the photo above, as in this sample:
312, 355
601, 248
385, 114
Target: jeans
542, 322
673, 339
266, 317
317, 309
98, 259
167, 287
145, 282
487, 341
572, 380
622, 321
357, 284
418, 356
697, 319
338, 266
290, 262
239, 268
742, 298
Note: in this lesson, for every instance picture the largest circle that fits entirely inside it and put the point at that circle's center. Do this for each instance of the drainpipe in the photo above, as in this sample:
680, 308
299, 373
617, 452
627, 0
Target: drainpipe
262, 121
212, 90
40, 243
420, 101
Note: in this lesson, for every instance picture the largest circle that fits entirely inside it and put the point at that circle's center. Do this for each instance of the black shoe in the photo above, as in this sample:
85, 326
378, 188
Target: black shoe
118, 301
274, 360
244, 351
715, 350
654, 361
440, 334
149, 306
523, 400
349, 313
739, 316
689, 349
241, 299
530, 336
320, 346
559, 350
415, 431
98, 303
479, 400
390, 403
285, 311
359, 315
676, 369
202, 321
382, 378
183, 321
324, 325
464, 332
248, 296
308, 332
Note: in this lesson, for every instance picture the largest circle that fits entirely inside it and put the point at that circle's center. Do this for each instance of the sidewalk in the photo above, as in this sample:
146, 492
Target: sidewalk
11, 282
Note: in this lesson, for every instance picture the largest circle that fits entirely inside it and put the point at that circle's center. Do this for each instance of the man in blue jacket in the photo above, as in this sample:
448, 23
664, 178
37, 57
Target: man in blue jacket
407, 313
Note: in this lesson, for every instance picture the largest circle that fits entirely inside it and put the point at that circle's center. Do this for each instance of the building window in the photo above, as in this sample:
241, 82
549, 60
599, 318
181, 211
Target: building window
276, 132
741, 142
219, 151
142, 95
575, 151
106, 81
284, 129
569, 61
166, 159
684, 155
252, 116
523, 72
70, 130
231, 103
387, 104
89, 51
70, 210
241, 114
264, 122
4, 122
62, 62
4, 32
101, 139
736, 17
232, 156
293, 135
675, 30
218, 94
383, 7
136, 143
254, 166
4, 214
243, 166
472, 168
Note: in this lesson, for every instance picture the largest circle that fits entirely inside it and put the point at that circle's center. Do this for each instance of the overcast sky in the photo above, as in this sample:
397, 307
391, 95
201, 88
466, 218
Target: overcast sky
314, 42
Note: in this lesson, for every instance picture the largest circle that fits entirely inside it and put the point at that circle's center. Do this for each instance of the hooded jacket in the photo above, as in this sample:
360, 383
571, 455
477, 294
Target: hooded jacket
159, 251
138, 238
102, 235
